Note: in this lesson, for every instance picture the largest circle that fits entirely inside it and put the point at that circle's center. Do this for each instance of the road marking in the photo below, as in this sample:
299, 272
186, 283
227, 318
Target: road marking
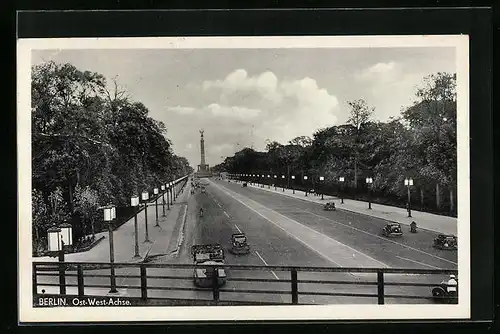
237, 228
287, 232
421, 263
226, 214
218, 204
265, 263
377, 236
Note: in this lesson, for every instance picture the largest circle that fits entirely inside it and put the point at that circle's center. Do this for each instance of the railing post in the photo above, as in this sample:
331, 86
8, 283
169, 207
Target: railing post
80, 281
215, 284
295, 287
380, 287
35, 279
144, 283
62, 273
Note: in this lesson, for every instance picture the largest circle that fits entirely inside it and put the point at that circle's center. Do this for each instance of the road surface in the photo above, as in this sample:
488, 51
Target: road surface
284, 231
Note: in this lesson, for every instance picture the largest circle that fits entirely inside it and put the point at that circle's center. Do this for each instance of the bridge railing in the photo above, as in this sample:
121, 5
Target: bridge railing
257, 284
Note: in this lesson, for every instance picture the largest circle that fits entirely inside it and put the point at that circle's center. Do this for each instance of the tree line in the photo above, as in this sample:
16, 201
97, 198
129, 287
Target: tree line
420, 144
91, 145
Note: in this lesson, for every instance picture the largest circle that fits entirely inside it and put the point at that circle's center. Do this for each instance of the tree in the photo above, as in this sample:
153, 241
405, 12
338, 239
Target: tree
359, 115
433, 120
39, 212
87, 202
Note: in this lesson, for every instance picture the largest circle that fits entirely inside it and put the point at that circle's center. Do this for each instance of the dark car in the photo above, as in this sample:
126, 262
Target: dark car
440, 293
445, 242
245, 184
239, 244
392, 230
208, 258
330, 206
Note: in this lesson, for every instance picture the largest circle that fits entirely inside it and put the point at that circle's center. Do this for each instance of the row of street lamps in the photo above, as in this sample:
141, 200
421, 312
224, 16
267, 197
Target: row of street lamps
59, 237
369, 181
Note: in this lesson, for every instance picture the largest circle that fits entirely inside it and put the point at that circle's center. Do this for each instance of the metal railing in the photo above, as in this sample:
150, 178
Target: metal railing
241, 279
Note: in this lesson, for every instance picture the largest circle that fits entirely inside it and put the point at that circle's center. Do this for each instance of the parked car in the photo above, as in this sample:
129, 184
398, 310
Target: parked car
239, 244
207, 258
330, 206
392, 230
445, 242
244, 185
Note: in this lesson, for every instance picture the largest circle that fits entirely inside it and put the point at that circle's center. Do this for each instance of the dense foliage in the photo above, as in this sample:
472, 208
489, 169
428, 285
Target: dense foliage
91, 146
421, 144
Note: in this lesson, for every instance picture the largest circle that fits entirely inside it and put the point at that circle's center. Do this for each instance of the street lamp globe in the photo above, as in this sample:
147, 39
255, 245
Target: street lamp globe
293, 177
162, 187
408, 182
54, 239
66, 233
134, 200
369, 180
268, 175
282, 176
108, 213
321, 178
145, 195
274, 176
341, 179
305, 177
155, 191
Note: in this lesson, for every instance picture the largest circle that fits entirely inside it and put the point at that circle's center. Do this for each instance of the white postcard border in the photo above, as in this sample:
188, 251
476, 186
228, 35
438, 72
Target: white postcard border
28, 313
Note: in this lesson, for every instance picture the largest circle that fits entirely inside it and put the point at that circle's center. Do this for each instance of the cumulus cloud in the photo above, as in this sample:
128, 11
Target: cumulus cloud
233, 111
182, 110
380, 72
246, 110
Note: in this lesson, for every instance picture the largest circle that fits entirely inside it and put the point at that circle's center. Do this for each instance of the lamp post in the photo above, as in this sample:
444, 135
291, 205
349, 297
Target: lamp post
341, 179
134, 202
369, 181
322, 178
109, 215
269, 183
275, 180
145, 198
171, 193
409, 183
163, 198
293, 187
66, 234
283, 178
168, 192
55, 237
155, 191
305, 179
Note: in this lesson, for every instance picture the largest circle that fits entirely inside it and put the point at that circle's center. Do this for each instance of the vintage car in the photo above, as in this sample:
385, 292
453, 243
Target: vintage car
245, 185
445, 242
440, 292
392, 230
206, 258
239, 244
330, 206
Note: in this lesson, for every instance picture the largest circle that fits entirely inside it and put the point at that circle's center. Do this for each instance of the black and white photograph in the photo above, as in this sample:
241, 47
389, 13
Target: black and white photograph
255, 178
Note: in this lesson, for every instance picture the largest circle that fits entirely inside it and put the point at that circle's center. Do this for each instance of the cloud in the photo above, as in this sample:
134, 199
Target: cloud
233, 111
182, 110
379, 72
245, 110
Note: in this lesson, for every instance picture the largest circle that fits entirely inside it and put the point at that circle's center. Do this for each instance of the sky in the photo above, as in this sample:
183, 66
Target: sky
244, 97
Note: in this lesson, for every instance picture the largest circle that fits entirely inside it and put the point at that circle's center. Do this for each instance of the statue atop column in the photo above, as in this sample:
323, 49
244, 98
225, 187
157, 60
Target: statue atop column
203, 168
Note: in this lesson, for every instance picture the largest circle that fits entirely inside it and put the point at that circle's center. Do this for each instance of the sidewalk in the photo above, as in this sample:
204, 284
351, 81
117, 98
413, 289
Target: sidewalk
424, 220
124, 236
